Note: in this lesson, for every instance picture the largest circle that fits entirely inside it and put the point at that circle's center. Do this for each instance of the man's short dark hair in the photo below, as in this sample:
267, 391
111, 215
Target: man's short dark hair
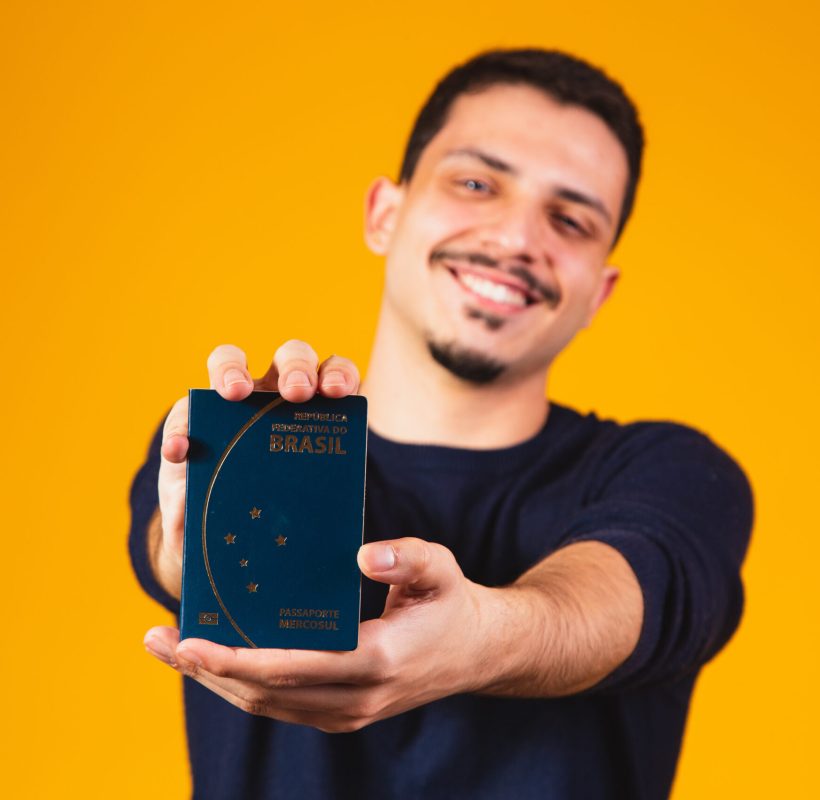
564, 78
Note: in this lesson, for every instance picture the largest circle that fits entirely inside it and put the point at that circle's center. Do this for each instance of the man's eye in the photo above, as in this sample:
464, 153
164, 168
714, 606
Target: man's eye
570, 224
475, 185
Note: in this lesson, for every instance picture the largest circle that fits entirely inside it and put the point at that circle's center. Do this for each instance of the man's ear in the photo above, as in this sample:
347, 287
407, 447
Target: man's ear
382, 204
609, 277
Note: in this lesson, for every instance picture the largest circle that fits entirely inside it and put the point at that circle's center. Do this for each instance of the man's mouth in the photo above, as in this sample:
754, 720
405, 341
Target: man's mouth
496, 292
509, 289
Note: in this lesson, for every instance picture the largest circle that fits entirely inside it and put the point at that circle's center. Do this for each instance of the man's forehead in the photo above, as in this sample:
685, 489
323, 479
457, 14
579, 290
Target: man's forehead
517, 113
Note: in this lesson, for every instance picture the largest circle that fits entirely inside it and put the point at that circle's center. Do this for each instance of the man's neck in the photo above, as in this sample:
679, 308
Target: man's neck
411, 398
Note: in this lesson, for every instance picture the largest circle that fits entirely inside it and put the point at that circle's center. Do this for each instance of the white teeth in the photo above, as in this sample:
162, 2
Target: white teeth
497, 292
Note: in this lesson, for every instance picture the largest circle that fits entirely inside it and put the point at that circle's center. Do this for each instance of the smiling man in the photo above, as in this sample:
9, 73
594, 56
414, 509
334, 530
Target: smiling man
555, 580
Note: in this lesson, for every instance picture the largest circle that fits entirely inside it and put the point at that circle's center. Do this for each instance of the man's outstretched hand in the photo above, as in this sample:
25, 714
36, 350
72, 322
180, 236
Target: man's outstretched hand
427, 644
295, 372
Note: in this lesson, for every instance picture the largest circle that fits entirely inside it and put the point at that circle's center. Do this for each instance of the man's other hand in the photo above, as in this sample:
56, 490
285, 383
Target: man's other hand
295, 372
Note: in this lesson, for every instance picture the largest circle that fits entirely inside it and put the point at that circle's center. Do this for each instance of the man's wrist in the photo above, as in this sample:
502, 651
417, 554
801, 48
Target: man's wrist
514, 630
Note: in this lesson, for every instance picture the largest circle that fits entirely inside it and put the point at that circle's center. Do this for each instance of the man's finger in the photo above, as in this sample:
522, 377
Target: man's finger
294, 371
418, 566
338, 377
272, 668
332, 706
162, 642
228, 372
279, 668
254, 695
315, 714
175, 433
171, 486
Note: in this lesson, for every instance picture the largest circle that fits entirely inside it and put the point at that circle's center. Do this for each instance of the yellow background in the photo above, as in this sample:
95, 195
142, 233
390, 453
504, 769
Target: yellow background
173, 176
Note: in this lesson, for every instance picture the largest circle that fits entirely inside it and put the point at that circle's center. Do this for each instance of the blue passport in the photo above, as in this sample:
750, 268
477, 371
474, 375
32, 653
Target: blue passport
274, 514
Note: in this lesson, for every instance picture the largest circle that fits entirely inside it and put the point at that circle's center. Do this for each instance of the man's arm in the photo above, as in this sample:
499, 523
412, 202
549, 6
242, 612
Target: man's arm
567, 623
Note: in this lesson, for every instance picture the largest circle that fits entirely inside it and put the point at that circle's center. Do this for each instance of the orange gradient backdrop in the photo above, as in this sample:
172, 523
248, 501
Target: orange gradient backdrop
176, 175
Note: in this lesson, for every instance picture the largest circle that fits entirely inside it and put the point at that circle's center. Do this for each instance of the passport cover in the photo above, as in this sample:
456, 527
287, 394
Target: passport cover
274, 513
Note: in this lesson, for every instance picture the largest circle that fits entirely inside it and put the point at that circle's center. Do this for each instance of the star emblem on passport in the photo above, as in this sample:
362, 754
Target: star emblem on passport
252, 587
230, 538
255, 512
280, 540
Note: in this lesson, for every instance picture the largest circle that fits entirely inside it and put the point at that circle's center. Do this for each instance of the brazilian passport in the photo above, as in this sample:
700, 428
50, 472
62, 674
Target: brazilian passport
274, 514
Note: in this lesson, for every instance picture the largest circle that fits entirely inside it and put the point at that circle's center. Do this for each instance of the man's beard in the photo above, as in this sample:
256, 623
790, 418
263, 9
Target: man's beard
468, 365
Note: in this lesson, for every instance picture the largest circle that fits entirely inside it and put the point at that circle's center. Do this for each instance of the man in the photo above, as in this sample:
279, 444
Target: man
556, 581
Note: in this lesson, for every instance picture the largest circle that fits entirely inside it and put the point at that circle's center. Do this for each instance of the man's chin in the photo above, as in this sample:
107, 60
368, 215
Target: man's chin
468, 365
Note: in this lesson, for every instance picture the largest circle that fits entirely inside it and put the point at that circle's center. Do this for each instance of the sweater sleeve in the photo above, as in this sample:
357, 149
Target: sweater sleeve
680, 511
144, 501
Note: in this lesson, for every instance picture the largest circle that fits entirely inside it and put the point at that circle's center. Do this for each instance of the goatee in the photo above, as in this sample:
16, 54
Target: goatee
468, 365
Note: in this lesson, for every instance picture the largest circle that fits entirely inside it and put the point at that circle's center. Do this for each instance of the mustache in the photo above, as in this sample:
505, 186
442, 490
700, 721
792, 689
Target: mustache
550, 294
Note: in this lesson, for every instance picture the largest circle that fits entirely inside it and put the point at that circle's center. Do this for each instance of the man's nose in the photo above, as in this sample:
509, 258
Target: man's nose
519, 232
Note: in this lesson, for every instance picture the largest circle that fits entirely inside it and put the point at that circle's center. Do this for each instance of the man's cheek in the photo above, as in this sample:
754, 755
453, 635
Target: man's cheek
443, 221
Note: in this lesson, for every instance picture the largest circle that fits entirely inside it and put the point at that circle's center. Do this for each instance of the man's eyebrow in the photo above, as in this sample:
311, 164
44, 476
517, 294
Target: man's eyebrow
491, 161
574, 196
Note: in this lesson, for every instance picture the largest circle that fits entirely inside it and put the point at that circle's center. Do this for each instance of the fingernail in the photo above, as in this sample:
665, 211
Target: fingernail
233, 376
192, 658
334, 378
159, 650
381, 557
297, 379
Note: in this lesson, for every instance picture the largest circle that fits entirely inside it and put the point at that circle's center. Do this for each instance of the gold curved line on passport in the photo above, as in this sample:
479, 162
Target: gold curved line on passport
242, 431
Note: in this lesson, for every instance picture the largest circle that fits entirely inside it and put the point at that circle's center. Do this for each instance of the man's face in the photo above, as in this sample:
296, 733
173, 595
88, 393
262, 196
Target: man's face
496, 250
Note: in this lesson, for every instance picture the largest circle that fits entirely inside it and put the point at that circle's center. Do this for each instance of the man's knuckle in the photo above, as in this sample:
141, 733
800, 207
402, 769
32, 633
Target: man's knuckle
425, 555
254, 703
288, 681
436, 554
252, 707
367, 708
444, 553
340, 362
220, 669
383, 665
189, 669
175, 429
297, 350
224, 353
344, 725
177, 418
302, 364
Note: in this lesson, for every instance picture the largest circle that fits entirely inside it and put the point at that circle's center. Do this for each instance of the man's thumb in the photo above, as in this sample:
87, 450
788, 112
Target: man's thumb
420, 566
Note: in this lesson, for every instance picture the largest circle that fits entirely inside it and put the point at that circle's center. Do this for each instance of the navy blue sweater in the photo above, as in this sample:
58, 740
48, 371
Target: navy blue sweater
675, 505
